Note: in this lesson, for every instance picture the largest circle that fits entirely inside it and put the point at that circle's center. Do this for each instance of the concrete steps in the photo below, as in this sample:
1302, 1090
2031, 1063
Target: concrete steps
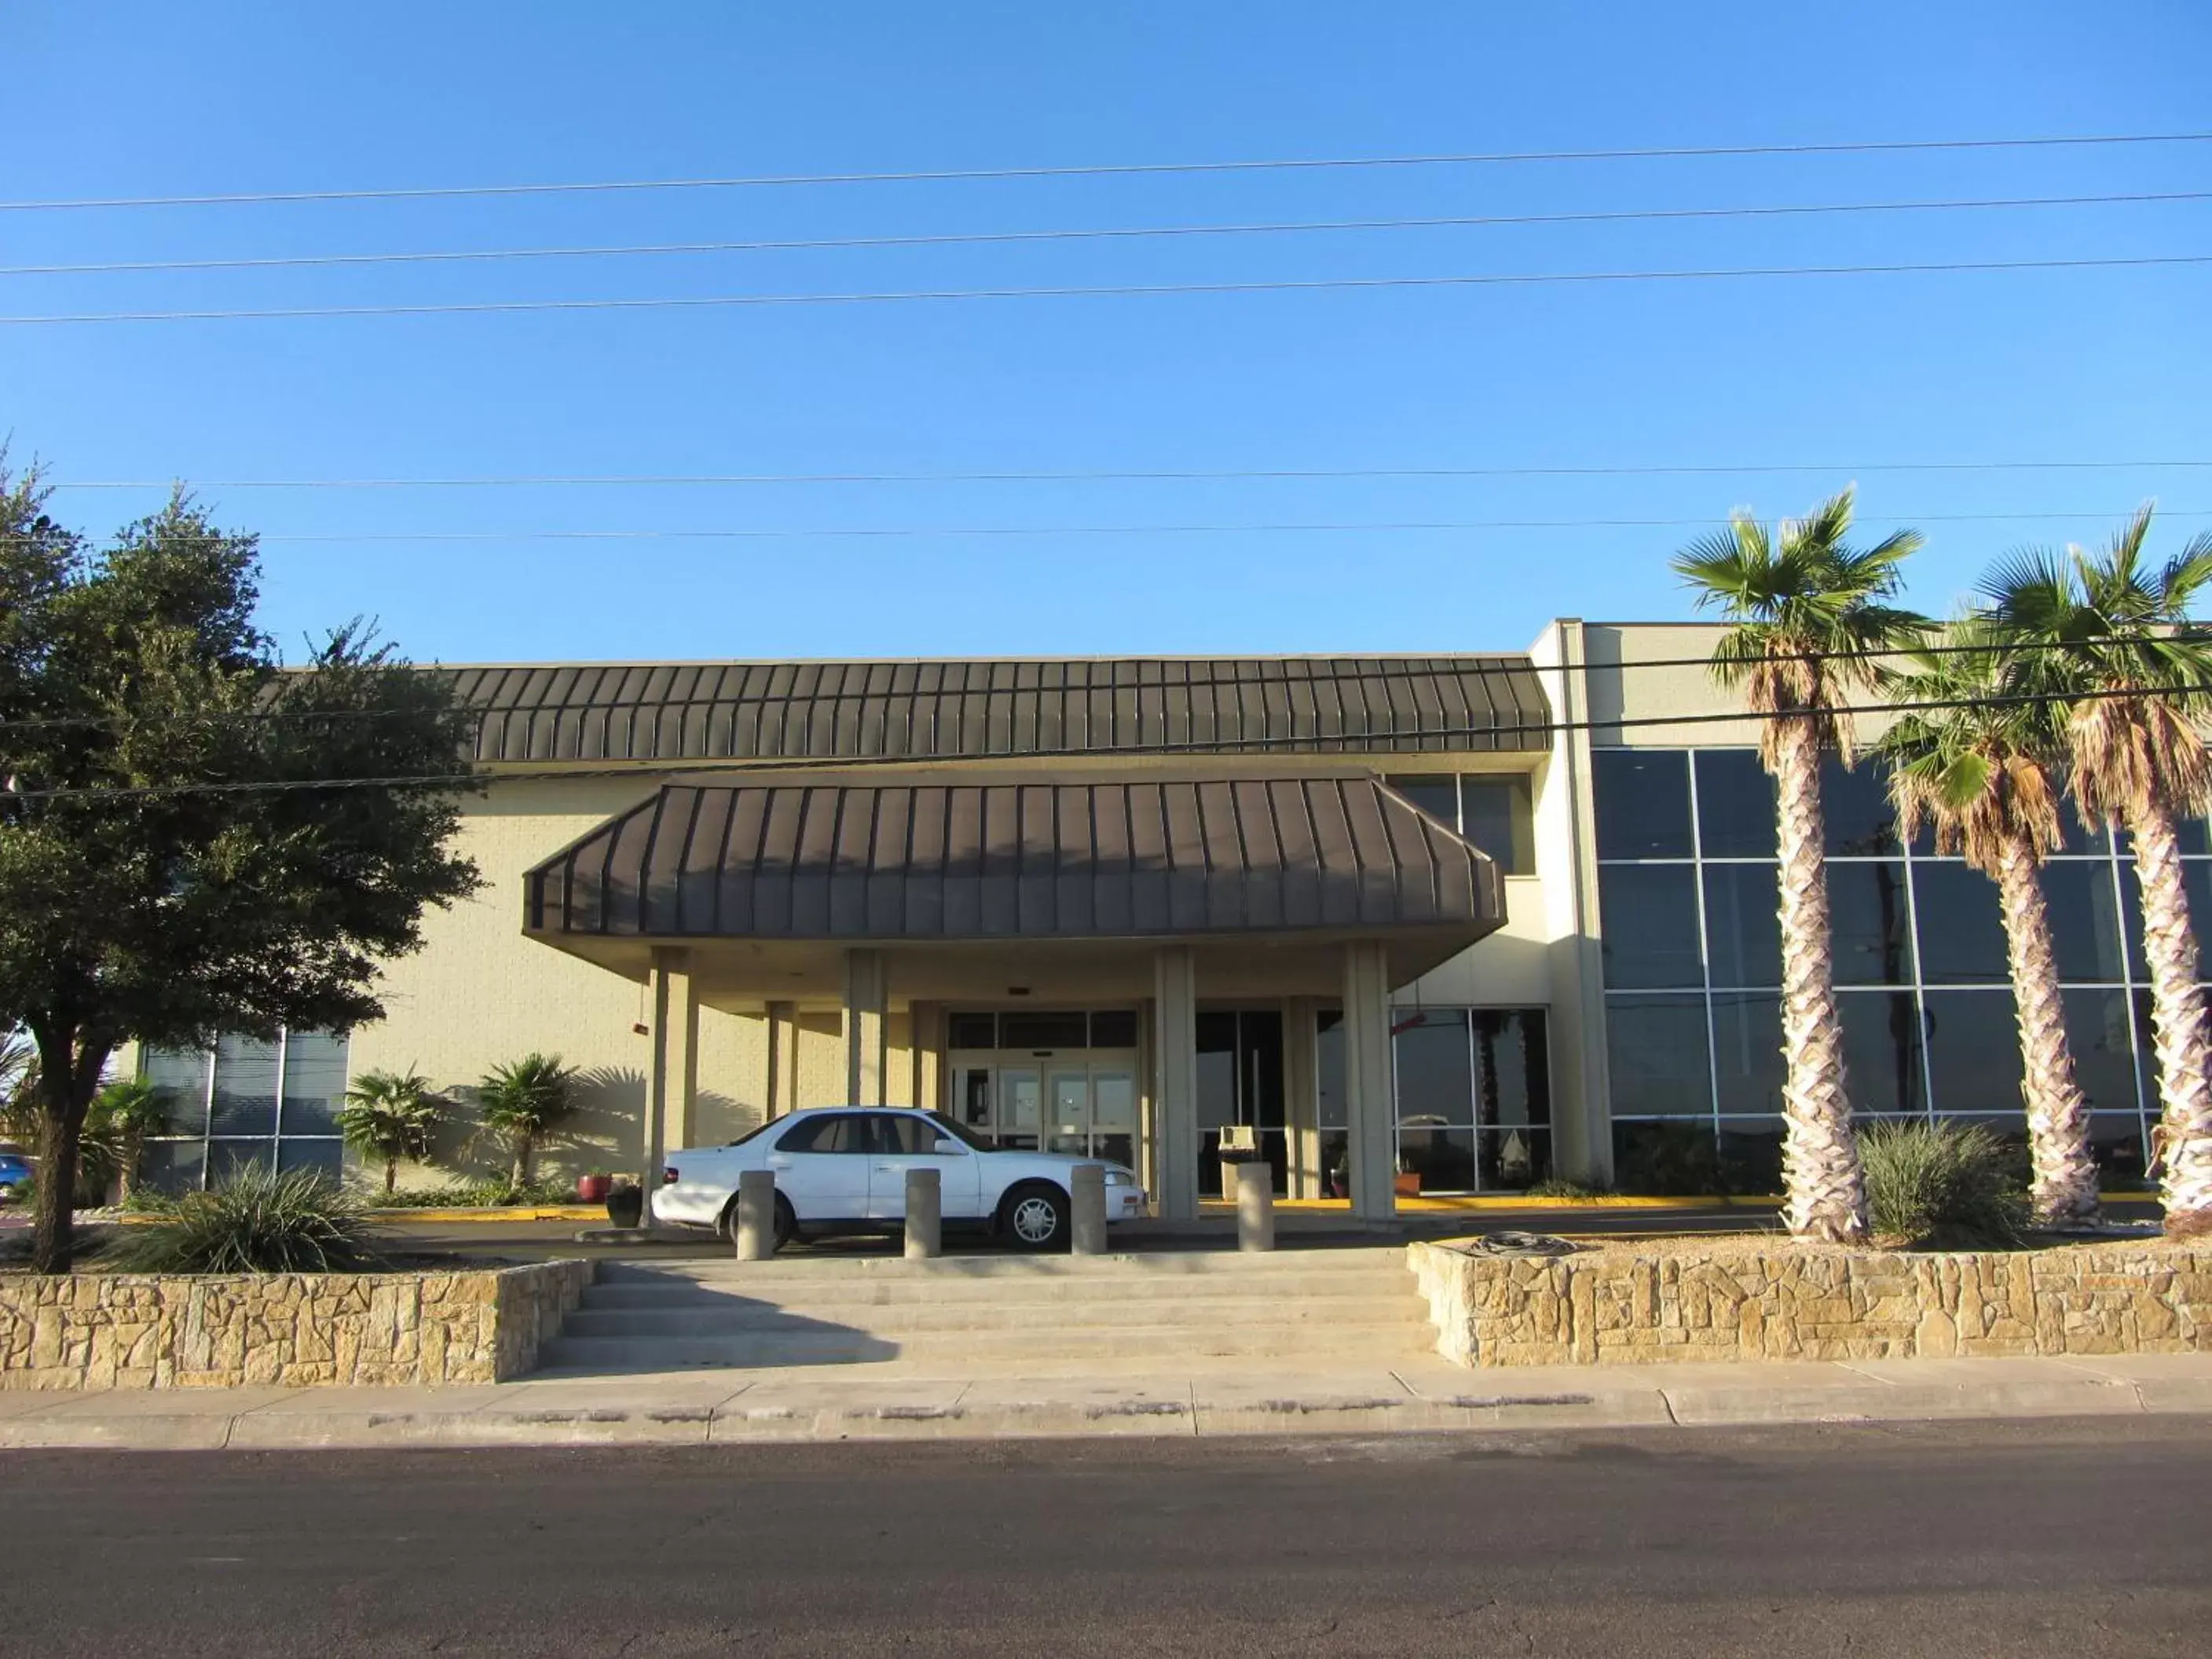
1293, 1305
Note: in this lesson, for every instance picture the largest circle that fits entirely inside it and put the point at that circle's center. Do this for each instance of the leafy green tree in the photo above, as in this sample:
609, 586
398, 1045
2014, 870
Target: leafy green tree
523, 1102
389, 1116
1809, 615
2111, 636
184, 846
1982, 769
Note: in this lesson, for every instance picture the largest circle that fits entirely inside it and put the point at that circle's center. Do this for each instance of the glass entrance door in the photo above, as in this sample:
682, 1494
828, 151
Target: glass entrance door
1054, 1081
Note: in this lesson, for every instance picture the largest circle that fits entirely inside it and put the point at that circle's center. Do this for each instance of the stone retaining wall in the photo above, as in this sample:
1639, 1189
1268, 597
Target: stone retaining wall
162, 1331
1802, 1302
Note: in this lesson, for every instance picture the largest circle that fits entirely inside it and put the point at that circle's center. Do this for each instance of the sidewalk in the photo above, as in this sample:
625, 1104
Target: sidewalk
890, 1401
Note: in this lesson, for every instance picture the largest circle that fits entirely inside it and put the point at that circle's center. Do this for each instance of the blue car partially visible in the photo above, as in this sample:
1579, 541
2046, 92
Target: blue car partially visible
14, 1174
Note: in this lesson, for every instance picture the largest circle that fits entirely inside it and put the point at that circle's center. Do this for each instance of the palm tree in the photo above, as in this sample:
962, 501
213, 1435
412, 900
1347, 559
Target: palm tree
1979, 769
1811, 615
124, 1115
2113, 641
525, 1101
391, 1115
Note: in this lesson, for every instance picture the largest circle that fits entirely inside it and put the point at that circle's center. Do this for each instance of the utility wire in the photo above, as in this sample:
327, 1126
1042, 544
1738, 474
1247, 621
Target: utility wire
1125, 169
1406, 663
707, 301
1104, 476
290, 262
1348, 742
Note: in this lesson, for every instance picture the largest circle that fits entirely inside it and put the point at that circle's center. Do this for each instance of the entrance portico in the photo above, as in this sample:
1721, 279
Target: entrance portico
903, 902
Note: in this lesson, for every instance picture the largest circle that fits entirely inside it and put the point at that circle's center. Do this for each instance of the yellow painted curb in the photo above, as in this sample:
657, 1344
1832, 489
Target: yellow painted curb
501, 1213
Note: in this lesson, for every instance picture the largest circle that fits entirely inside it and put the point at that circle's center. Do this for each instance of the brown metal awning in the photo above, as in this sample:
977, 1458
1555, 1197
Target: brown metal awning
879, 861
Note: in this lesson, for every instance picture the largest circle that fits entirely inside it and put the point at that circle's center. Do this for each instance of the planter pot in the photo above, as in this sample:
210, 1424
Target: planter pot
594, 1188
626, 1205
1406, 1183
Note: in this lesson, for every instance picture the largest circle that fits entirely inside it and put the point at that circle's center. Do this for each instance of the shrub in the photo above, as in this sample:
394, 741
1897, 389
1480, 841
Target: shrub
477, 1194
261, 1222
1943, 1184
1668, 1160
1559, 1188
523, 1102
390, 1115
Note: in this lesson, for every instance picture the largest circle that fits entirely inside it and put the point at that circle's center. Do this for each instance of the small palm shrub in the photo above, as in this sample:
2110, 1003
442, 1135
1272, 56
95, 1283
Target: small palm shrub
1943, 1184
389, 1116
261, 1222
525, 1101
123, 1116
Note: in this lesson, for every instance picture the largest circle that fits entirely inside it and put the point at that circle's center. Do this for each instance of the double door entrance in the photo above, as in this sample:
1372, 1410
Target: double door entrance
1071, 1088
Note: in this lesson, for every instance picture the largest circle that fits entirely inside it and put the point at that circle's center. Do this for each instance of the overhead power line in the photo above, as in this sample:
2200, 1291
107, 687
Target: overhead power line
1168, 475
813, 763
1123, 169
709, 301
289, 262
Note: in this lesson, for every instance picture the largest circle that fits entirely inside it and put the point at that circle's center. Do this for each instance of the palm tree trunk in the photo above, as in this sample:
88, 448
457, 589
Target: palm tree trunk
2065, 1184
1825, 1192
2185, 1132
520, 1177
390, 1176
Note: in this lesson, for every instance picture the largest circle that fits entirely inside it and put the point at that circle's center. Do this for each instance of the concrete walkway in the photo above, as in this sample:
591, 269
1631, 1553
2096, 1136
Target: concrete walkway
891, 1401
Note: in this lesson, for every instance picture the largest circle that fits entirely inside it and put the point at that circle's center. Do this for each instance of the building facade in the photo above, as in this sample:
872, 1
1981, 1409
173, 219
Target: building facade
1422, 925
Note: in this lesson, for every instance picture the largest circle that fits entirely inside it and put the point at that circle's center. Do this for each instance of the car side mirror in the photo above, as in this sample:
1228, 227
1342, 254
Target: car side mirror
948, 1147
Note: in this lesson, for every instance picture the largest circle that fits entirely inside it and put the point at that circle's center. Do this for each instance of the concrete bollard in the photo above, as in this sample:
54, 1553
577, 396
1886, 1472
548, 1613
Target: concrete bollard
756, 1228
1255, 1207
925, 1214
1087, 1192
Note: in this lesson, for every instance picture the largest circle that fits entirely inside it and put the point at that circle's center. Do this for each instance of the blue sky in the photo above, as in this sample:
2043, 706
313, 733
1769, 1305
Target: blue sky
136, 98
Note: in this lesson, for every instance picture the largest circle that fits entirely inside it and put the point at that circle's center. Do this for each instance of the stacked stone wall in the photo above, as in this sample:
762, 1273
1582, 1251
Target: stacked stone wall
1796, 1301
163, 1331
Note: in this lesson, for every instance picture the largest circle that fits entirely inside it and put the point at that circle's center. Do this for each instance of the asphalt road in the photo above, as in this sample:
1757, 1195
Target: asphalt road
2047, 1538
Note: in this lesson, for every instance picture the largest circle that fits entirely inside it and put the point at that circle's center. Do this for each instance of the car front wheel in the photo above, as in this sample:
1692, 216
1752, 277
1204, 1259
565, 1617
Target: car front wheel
1038, 1218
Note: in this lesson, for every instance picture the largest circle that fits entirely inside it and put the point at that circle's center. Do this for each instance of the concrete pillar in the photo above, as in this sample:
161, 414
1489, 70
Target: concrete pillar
865, 1002
672, 1084
782, 1058
1256, 1207
925, 1213
755, 1233
1174, 1082
1370, 1112
1302, 1098
1087, 1209
925, 1055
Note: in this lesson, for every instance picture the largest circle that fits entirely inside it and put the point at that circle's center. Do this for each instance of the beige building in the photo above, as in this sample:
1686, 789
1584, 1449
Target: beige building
1419, 924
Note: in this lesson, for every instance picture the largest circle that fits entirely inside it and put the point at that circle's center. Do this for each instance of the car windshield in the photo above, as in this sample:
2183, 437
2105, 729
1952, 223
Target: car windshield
945, 1126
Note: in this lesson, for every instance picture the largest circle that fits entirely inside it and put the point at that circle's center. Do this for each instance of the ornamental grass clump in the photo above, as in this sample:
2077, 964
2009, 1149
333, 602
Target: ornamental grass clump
1941, 1183
260, 1222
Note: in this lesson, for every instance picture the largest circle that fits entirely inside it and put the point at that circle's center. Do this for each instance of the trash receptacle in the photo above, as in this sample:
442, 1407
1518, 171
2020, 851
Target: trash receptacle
1240, 1144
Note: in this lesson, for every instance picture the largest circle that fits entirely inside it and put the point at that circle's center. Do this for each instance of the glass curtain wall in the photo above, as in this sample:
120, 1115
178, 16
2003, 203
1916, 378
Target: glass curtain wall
1687, 894
247, 1101
1474, 1099
1494, 812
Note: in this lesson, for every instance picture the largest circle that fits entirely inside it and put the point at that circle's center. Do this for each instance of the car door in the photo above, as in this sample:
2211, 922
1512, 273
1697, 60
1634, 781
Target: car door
820, 1165
907, 1140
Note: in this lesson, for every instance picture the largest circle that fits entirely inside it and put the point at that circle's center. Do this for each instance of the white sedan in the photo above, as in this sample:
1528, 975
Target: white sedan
843, 1169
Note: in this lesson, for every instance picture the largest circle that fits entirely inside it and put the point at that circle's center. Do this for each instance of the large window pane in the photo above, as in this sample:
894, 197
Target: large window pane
2116, 1141
1650, 916
1881, 1051
2096, 1031
1512, 1071
173, 1166
1743, 934
1496, 815
1642, 803
1747, 1053
1962, 939
1436, 1081
1735, 805
314, 1083
1870, 919
1436, 793
1328, 1068
1114, 1028
181, 1075
1260, 1067
324, 1158
1044, 1030
1973, 1051
1856, 813
1513, 1160
226, 1157
1443, 1158
971, 1031
2085, 918
1217, 1070
245, 1087
1657, 1056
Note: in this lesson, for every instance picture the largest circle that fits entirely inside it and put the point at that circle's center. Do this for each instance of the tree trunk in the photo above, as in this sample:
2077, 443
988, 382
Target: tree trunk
2178, 1016
390, 1176
69, 1076
520, 1177
1825, 1191
2064, 1187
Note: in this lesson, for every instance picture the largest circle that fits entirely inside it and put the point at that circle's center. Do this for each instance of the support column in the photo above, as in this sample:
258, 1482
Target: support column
1370, 1111
1174, 1082
673, 1085
925, 1052
1302, 1098
782, 1058
865, 1002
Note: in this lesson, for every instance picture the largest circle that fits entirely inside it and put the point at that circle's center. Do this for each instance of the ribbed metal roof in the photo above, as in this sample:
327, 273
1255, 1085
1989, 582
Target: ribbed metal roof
879, 861
968, 709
